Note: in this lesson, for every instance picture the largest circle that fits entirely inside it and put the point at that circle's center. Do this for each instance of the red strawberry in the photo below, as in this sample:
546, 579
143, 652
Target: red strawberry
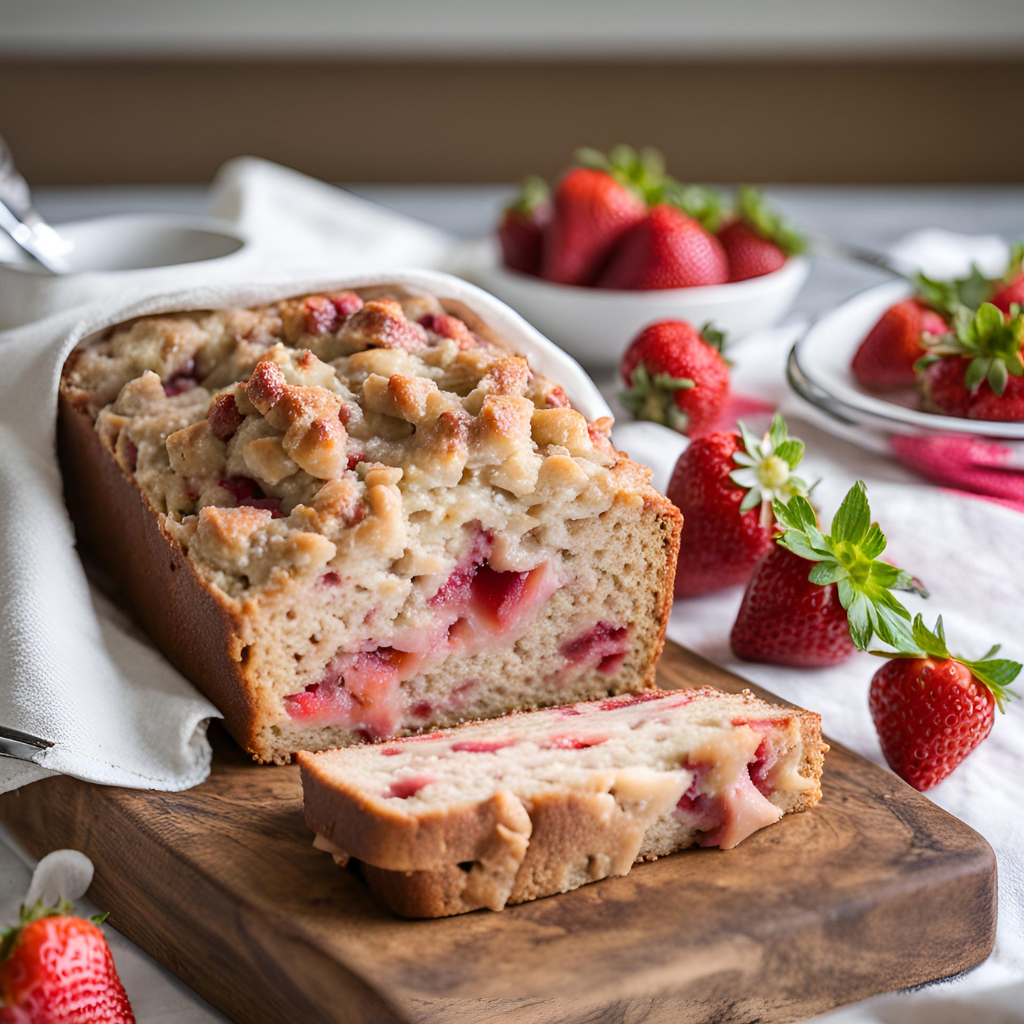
757, 241
1010, 290
748, 253
521, 229
593, 210
724, 485
666, 249
816, 597
57, 969
977, 371
787, 620
946, 391
1009, 294
676, 375
931, 709
887, 355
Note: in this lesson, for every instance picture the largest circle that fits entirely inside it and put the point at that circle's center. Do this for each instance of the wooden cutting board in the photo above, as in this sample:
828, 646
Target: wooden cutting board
876, 889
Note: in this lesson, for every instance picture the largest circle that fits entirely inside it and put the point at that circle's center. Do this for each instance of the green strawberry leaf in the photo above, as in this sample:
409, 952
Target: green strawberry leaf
848, 558
791, 451
653, 397
950, 297
714, 337
825, 573
997, 376
991, 341
533, 193
697, 201
873, 542
995, 673
754, 211
852, 521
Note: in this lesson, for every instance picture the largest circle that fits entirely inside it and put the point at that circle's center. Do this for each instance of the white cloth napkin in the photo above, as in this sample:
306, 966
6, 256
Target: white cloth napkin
73, 670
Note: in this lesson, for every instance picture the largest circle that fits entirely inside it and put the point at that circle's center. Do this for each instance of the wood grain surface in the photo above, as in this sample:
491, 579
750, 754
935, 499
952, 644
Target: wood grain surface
876, 889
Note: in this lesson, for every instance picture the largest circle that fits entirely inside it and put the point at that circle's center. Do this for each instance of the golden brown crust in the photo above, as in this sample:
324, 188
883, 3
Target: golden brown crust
671, 519
195, 626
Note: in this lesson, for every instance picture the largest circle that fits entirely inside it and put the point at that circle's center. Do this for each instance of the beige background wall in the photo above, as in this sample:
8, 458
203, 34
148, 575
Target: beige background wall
114, 91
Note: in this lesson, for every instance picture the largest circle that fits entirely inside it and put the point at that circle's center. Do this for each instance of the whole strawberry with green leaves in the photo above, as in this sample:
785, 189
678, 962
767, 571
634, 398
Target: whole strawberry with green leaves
725, 484
932, 709
56, 968
976, 371
595, 204
757, 240
675, 375
816, 597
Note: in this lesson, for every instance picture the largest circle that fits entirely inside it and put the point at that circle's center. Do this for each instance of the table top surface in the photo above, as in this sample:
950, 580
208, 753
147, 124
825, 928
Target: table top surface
873, 217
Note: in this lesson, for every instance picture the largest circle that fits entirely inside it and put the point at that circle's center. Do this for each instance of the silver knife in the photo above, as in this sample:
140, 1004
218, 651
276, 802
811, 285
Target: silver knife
22, 745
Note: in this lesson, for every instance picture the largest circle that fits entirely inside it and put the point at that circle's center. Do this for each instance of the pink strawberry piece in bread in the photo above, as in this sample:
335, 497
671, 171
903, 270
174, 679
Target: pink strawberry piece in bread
326, 313
184, 380
639, 776
402, 789
605, 646
248, 494
474, 607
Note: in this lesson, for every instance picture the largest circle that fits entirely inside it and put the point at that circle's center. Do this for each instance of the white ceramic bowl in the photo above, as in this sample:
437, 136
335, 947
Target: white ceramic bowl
110, 255
596, 324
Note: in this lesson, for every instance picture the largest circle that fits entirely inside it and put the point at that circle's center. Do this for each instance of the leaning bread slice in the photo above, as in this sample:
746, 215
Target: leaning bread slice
542, 802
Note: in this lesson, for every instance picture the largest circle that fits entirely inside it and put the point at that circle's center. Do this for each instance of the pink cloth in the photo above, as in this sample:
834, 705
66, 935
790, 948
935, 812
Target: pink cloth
962, 463
741, 407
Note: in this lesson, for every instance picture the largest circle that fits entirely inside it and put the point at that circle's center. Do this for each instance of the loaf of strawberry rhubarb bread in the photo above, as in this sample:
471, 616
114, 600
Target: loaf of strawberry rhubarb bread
357, 515
542, 802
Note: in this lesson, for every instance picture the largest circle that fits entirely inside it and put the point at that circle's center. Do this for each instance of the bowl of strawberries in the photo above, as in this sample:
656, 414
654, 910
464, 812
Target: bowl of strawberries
620, 244
922, 355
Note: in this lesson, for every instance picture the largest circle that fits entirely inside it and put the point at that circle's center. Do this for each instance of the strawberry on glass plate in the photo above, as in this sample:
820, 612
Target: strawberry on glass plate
929, 357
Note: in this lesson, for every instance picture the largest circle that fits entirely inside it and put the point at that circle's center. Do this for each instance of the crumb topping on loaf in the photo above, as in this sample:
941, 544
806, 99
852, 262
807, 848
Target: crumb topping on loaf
345, 430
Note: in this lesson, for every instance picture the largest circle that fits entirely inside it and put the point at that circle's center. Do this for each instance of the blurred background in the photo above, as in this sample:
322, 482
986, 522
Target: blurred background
880, 91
